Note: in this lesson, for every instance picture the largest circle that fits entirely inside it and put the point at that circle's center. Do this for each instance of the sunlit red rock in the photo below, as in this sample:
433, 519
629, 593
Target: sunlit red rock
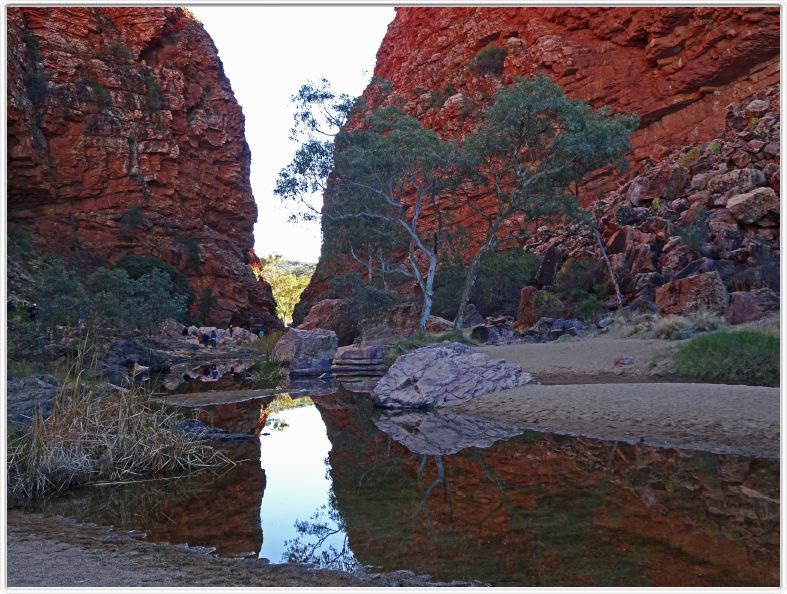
124, 137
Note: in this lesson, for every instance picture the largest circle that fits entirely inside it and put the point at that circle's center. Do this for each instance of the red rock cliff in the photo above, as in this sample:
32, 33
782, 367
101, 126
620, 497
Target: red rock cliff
124, 137
676, 68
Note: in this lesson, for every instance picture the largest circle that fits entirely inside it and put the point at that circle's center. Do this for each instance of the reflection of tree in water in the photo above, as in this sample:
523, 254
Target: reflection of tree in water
311, 545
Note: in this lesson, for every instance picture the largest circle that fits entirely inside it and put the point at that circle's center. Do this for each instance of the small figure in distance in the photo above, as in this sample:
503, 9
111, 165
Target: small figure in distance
214, 337
34, 313
231, 329
185, 331
214, 373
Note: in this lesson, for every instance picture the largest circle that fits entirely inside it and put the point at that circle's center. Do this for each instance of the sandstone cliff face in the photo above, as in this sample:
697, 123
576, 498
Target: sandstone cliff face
124, 137
676, 68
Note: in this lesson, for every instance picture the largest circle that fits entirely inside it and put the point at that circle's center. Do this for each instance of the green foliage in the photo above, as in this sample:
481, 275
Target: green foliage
20, 245
152, 299
37, 86
267, 343
580, 278
589, 309
501, 277
695, 234
59, 295
489, 60
109, 291
733, 357
547, 304
120, 50
286, 286
101, 95
439, 96
656, 204
207, 300
191, 246
399, 348
134, 216
155, 96
137, 266
713, 148
31, 43
691, 155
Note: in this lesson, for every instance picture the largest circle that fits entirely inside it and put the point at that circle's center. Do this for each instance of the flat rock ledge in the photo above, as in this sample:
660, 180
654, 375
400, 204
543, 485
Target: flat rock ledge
445, 374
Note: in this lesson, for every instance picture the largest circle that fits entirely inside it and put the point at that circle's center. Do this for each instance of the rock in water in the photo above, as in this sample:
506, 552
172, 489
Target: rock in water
445, 374
308, 352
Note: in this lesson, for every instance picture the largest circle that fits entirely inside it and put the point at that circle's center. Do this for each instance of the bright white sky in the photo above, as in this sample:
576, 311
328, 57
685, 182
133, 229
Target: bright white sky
268, 52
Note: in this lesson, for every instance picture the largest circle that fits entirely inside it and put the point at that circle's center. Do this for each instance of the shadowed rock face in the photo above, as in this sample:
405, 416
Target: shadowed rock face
124, 138
676, 68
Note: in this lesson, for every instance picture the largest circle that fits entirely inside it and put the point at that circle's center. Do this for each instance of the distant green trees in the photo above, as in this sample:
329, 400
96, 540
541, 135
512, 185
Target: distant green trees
286, 285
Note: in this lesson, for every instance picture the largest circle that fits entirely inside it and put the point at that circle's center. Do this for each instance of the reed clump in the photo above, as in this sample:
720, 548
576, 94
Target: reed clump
92, 436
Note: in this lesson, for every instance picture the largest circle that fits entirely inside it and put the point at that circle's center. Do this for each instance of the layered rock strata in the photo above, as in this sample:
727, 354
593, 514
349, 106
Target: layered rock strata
676, 68
124, 138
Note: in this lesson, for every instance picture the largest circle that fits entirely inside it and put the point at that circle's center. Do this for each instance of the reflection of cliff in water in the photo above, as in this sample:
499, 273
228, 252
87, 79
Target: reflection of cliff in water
219, 510
549, 510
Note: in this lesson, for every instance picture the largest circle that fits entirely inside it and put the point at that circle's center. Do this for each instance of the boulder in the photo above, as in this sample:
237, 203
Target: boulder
548, 268
472, 316
27, 395
702, 291
359, 360
332, 314
526, 313
746, 306
739, 180
445, 374
752, 206
308, 352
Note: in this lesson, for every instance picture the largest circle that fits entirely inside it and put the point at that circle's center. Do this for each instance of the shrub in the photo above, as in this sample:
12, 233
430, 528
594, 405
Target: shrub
58, 294
695, 234
589, 309
20, 245
579, 279
546, 304
89, 438
267, 343
136, 266
399, 348
489, 60
692, 154
501, 277
713, 148
37, 86
120, 50
134, 216
155, 96
733, 357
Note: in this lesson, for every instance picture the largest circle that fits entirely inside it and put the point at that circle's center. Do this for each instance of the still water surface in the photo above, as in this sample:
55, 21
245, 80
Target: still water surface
338, 484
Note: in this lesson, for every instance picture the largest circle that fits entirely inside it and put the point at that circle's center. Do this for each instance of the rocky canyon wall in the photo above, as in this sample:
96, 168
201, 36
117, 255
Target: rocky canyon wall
677, 68
125, 138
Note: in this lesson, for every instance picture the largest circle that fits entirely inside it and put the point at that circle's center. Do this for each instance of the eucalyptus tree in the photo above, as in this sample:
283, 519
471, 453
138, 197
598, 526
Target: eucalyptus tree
378, 165
533, 146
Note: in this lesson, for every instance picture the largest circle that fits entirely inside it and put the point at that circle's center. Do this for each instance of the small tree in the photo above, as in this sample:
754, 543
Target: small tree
387, 168
532, 145
109, 291
152, 300
59, 295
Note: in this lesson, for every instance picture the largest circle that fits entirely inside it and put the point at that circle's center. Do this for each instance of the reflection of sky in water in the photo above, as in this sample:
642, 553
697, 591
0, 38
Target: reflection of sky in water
298, 492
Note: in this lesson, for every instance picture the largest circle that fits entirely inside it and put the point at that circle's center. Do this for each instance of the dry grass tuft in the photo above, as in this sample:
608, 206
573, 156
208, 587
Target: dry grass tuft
91, 437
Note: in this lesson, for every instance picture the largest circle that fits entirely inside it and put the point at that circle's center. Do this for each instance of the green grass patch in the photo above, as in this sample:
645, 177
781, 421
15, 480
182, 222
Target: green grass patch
735, 357
396, 350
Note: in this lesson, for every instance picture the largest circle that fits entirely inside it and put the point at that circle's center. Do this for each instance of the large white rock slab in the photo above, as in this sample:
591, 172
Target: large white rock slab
445, 374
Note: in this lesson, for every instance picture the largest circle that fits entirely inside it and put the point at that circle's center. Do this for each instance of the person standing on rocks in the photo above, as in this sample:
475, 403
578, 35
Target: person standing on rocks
214, 337
34, 313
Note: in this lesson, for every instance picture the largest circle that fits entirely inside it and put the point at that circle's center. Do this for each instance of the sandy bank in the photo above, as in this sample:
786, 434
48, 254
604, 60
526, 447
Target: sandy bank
720, 418
590, 360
